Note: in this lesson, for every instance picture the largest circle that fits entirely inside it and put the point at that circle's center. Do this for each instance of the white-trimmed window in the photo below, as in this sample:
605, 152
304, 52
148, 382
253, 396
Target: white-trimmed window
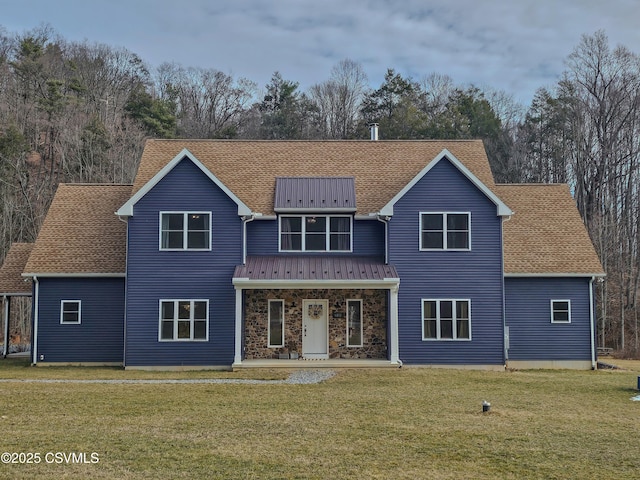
560, 311
70, 311
276, 323
315, 233
184, 320
354, 323
446, 319
445, 231
185, 231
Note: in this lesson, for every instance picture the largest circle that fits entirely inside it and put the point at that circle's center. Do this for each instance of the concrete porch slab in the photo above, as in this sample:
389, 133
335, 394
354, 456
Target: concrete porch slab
302, 363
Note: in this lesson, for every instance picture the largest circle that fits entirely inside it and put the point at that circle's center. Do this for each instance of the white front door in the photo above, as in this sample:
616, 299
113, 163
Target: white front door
315, 329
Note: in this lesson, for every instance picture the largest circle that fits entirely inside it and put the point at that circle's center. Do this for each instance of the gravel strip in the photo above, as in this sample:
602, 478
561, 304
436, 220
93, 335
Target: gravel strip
298, 377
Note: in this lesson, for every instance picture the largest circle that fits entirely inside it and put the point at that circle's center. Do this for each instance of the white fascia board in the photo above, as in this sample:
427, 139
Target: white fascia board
75, 275
503, 210
307, 284
554, 275
127, 209
15, 294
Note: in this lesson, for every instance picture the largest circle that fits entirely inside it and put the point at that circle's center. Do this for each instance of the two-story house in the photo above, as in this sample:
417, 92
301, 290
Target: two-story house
240, 253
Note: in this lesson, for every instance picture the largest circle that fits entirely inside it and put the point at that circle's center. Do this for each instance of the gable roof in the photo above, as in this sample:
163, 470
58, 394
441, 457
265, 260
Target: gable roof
503, 210
11, 280
248, 168
138, 193
546, 235
80, 234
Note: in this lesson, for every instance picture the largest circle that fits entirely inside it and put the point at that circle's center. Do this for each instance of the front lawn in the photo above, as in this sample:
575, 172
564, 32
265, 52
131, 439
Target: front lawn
386, 424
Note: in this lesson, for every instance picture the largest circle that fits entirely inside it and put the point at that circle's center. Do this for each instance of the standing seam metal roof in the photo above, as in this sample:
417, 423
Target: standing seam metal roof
315, 193
314, 268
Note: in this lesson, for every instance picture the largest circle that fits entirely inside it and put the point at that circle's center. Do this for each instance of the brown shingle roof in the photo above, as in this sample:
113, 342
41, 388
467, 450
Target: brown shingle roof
11, 280
81, 233
249, 168
546, 234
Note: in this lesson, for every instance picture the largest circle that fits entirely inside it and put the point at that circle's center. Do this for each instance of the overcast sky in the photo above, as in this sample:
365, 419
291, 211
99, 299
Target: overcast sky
512, 45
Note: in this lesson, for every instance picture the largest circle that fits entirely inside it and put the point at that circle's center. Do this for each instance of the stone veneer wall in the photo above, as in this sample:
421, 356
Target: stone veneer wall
374, 318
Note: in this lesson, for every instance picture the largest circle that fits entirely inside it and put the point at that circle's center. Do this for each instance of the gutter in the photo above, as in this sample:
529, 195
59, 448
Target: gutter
246, 219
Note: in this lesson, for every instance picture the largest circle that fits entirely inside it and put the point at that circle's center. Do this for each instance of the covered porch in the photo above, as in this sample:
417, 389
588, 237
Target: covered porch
13, 286
315, 311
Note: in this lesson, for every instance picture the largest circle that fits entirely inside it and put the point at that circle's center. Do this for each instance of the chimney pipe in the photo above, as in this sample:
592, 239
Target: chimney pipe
374, 131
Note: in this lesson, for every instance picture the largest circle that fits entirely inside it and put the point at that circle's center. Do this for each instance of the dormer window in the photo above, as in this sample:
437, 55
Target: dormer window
315, 233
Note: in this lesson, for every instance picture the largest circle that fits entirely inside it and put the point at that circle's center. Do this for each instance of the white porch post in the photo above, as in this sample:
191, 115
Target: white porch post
394, 344
237, 359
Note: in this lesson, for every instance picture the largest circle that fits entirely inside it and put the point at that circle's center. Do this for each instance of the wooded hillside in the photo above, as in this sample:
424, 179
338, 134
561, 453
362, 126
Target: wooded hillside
80, 112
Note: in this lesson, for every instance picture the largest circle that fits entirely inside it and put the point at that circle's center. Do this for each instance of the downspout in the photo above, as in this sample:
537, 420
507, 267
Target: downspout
36, 308
385, 219
246, 219
126, 280
505, 327
394, 331
594, 363
237, 356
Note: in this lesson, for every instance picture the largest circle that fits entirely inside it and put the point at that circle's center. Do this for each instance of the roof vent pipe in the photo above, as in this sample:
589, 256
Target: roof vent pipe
374, 131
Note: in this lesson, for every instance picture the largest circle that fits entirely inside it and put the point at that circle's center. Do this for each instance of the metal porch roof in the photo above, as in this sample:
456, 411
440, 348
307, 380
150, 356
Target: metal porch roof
329, 268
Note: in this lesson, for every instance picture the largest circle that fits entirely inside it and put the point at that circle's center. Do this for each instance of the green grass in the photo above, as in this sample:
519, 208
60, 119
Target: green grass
380, 424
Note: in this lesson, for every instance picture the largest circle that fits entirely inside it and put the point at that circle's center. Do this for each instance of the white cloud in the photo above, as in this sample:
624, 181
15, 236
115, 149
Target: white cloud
514, 46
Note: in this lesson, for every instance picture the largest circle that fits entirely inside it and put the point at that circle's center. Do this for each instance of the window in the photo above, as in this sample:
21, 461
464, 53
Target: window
70, 311
560, 311
184, 320
446, 320
445, 231
185, 231
315, 233
354, 323
276, 323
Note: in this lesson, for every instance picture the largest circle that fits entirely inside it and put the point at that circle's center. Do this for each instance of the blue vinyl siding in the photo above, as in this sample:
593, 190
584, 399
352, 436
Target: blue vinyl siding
474, 275
153, 275
99, 336
532, 336
368, 239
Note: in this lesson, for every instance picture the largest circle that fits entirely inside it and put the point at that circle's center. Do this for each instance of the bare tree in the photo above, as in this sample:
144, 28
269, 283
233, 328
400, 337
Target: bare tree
586, 132
209, 103
338, 99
